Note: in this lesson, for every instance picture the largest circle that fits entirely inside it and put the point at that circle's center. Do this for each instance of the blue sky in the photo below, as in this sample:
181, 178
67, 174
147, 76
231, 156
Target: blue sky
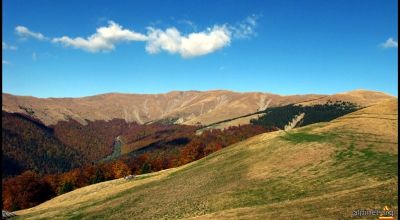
80, 48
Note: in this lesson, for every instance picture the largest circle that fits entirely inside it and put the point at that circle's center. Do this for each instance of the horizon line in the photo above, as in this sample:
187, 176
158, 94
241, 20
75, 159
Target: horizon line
199, 91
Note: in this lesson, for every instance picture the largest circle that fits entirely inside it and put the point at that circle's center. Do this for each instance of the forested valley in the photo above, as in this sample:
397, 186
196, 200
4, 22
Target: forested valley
49, 161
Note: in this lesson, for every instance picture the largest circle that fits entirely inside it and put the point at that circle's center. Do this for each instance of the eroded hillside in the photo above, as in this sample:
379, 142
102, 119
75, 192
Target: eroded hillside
190, 107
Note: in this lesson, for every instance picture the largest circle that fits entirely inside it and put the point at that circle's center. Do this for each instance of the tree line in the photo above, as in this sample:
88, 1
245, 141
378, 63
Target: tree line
279, 117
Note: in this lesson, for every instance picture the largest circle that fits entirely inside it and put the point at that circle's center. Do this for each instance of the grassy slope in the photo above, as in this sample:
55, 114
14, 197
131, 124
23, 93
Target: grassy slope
321, 171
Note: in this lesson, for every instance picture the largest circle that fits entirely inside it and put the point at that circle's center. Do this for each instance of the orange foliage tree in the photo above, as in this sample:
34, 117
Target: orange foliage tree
25, 191
120, 169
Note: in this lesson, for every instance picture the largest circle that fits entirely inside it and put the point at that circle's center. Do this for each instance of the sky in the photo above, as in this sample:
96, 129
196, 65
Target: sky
81, 48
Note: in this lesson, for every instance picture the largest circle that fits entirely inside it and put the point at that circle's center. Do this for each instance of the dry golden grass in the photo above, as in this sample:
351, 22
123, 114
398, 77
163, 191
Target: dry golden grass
361, 97
289, 159
324, 205
92, 192
321, 171
379, 120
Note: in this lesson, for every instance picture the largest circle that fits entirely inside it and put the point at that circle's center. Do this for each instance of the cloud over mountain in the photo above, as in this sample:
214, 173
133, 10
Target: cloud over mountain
104, 39
171, 40
191, 45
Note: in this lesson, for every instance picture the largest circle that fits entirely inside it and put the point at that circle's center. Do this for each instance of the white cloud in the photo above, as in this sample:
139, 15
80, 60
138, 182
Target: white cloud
187, 45
389, 43
104, 39
191, 45
8, 47
25, 32
245, 28
5, 62
34, 56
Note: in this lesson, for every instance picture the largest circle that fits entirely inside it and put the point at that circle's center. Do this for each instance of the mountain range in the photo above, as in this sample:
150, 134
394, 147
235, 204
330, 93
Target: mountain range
56, 145
180, 107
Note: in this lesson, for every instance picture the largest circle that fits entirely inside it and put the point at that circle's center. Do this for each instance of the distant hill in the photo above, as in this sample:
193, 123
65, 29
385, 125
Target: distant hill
360, 97
189, 107
320, 171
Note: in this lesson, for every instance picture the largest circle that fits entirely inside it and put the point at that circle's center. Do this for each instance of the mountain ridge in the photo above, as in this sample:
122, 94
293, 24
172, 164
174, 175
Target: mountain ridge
186, 107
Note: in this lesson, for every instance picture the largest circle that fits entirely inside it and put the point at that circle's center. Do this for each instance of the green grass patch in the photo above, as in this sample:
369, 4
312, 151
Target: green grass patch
300, 137
352, 160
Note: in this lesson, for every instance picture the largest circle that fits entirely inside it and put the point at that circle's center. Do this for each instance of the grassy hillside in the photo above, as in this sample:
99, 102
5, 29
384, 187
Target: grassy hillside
320, 171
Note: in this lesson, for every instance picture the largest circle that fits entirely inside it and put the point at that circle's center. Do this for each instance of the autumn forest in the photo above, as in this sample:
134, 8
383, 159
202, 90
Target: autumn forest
53, 160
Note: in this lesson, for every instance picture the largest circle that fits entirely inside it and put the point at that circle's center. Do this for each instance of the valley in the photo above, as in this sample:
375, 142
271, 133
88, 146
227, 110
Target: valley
323, 170
70, 155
